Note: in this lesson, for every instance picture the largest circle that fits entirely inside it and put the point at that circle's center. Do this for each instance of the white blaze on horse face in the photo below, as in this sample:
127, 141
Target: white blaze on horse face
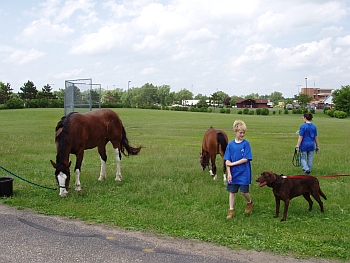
118, 176
77, 181
61, 177
103, 170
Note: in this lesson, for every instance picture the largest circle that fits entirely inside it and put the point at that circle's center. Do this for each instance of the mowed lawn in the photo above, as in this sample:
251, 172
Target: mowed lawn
165, 191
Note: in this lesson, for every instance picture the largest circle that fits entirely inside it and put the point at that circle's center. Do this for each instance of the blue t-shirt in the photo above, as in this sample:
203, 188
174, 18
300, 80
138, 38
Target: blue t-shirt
309, 132
241, 174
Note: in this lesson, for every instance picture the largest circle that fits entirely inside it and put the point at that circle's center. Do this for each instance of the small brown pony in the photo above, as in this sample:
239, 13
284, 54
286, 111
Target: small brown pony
77, 132
214, 142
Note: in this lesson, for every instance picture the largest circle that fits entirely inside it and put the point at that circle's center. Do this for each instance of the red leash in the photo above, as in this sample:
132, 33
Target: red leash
309, 176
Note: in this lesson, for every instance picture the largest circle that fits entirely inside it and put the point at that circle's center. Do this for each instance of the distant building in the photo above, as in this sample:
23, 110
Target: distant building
253, 103
189, 102
318, 96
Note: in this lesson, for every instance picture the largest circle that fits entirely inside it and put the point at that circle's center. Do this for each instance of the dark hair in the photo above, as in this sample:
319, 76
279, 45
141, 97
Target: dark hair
308, 116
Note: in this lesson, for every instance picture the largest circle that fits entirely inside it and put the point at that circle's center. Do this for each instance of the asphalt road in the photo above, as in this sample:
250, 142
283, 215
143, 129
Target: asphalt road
29, 237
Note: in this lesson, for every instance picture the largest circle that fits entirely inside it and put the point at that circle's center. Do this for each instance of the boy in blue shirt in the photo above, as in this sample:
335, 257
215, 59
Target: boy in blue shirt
237, 158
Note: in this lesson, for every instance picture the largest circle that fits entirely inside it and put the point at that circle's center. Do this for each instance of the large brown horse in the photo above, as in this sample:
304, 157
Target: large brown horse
214, 142
77, 132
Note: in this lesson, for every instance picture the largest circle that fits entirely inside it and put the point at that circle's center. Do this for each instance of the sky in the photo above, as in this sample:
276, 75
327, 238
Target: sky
204, 46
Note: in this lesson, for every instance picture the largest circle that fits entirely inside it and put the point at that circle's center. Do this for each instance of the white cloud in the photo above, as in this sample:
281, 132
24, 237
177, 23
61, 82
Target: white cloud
225, 43
44, 31
68, 74
22, 57
71, 7
148, 71
330, 31
101, 42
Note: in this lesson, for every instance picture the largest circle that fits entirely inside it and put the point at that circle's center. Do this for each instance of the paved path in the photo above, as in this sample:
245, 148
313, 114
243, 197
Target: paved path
28, 237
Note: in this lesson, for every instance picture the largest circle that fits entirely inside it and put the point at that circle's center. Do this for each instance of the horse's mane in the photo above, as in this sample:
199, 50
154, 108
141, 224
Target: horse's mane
60, 138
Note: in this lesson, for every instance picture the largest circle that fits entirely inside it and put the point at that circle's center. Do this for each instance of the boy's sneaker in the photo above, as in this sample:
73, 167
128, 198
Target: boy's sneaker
249, 207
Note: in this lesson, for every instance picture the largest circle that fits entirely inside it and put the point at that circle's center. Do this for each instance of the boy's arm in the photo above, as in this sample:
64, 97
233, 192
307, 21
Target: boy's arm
229, 175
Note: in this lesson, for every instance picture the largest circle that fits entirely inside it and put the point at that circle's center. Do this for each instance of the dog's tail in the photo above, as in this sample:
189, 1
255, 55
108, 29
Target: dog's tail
323, 195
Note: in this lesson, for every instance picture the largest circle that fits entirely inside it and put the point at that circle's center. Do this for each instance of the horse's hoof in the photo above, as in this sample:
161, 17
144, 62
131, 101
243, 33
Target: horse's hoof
102, 178
118, 178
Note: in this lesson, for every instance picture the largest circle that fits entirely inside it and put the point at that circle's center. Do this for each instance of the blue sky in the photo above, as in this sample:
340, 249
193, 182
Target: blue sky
239, 47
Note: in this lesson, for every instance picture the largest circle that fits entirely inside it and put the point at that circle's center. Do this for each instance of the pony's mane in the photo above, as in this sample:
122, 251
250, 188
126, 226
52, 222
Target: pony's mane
60, 138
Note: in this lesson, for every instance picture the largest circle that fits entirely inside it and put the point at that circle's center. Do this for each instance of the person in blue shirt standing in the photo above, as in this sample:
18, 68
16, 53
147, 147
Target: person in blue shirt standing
307, 143
238, 156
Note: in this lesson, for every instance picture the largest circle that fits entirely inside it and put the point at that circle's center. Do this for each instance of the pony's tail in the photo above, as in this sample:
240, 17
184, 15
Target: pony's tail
222, 141
126, 146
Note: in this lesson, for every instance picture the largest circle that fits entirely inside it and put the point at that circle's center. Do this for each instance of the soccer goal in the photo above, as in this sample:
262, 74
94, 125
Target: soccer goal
81, 95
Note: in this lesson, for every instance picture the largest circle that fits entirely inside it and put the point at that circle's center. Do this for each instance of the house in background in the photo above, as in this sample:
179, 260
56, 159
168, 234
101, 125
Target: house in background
253, 103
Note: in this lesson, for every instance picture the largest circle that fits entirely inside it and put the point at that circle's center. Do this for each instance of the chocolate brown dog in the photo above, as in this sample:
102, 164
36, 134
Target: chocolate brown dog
287, 187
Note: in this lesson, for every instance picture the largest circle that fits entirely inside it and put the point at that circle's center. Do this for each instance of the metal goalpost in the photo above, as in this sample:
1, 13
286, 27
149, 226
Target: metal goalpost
80, 96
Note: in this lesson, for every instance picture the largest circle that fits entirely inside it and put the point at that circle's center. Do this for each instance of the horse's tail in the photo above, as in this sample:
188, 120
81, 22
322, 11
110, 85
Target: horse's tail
126, 146
222, 141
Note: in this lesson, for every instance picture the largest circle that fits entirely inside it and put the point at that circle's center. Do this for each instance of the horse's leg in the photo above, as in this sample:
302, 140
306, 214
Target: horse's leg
118, 176
103, 157
224, 169
213, 165
80, 156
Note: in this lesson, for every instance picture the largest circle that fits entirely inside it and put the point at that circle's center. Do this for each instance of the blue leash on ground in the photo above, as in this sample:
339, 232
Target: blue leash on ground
50, 188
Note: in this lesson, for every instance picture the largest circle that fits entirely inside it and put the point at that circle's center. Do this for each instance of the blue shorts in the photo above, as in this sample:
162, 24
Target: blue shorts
233, 188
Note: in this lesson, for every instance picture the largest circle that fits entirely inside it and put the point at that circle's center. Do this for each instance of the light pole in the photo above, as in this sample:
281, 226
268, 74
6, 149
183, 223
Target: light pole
298, 88
306, 87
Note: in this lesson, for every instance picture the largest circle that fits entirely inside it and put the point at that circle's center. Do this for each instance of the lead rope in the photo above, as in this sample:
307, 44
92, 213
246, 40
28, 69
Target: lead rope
50, 188
296, 158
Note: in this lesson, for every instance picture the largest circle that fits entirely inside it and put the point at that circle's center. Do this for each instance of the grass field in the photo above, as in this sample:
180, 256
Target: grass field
164, 190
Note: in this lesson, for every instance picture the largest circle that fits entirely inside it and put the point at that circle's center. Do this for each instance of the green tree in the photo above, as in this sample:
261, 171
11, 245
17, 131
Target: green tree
109, 97
252, 96
162, 94
184, 94
341, 99
227, 101
171, 98
45, 93
148, 94
303, 99
29, 91
275, 97
215, 99
200, 96
202, 103
95, 96
5, 92
59, 94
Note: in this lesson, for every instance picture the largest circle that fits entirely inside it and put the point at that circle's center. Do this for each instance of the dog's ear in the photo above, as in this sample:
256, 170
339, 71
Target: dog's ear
273, 177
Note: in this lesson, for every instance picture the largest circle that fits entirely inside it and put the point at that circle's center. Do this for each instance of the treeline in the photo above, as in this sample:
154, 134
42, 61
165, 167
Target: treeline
147, 96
